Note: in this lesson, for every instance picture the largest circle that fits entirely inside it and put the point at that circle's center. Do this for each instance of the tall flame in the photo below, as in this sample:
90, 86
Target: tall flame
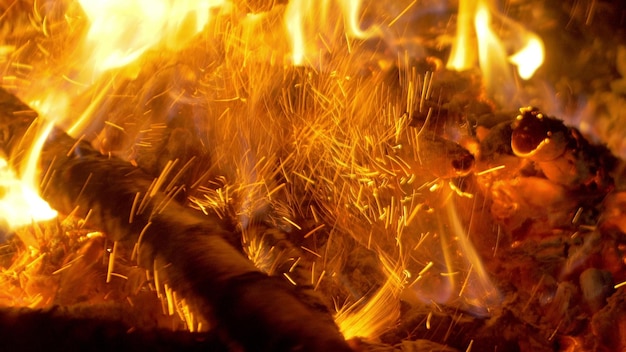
477, 42
121, 30
307, 21
20, 204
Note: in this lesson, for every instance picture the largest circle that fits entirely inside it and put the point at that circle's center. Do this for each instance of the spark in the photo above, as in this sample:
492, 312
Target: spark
73, 148
276, 189
162, 176
109, 123
146, 197
74, 82
319, 227
319, 280
120, 276
157, 284
169, 197
459, 192
133, 208
68, 265
290, 279
295, 263
623, 283
493, 169
110, 267
170, 299
533, 292
7, 9
311, 251
292, 223
307, 179
135, 253
556, 330
497, 245
467, 276
82, 190
577, 216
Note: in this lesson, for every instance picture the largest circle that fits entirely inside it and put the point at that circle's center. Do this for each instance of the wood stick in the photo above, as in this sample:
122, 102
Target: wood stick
187, 250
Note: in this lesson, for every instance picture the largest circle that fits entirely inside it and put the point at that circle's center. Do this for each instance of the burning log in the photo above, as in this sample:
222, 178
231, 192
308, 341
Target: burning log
193, 258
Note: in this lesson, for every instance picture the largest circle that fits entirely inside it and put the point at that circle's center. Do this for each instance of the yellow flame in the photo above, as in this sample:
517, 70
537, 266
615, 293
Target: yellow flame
308, 20
529, 58
380, 311
119, 33
122, 30
482, 44
351, 12
463, 56
376, 315
294, 16
20, 205
491, 52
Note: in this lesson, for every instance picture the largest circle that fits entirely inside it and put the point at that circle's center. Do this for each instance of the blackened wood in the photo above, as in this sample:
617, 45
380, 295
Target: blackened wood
62, 329
189, 250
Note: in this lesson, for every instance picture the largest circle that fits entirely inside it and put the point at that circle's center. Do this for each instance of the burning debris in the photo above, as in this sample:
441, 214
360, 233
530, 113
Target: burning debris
241, 188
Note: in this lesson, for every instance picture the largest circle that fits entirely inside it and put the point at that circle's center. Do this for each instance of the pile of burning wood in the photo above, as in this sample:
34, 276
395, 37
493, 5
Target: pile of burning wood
215, 200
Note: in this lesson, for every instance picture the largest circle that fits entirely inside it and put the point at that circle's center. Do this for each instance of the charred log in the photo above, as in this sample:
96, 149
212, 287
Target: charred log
190, 253
23, 329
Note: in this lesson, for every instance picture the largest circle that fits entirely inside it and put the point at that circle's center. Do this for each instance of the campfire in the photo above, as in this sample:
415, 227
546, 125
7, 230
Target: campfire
342, 175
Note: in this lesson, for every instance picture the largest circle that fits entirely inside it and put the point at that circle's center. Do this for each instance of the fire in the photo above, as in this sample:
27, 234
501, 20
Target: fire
307, 23
338, 134
478, 40
529, 58
20, 204
121, 31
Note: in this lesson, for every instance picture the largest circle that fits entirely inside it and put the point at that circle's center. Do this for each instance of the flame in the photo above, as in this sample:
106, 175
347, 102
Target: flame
20, 205
529, 58
20, 202
463, 55
374, 316
488, 48
491, 53
121, 30
294, 16
308, 20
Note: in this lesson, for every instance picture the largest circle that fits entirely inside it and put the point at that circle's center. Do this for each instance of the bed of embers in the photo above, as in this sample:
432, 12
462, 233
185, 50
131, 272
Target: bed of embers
370, 199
